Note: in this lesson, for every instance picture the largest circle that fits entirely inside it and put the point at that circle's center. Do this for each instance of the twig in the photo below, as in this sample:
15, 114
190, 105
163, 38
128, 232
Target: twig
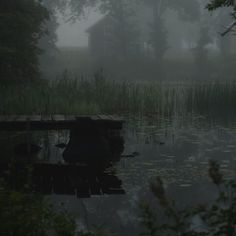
229, 28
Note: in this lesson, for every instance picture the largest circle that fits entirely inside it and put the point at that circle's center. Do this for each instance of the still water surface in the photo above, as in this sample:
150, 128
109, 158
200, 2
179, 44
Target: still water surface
177, 150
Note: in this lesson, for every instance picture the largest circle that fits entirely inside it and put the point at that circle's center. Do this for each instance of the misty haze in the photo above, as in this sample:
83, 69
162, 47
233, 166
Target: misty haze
117, 117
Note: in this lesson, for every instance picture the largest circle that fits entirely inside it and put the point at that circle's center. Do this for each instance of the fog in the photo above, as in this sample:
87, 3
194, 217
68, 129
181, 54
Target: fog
117, 117
174, 43
73, 34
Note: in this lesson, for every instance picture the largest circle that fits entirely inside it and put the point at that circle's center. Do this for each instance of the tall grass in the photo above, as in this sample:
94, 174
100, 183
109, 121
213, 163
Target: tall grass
102, 96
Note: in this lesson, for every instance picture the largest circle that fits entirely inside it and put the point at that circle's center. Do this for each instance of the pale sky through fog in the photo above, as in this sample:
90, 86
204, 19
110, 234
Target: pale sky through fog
73, 34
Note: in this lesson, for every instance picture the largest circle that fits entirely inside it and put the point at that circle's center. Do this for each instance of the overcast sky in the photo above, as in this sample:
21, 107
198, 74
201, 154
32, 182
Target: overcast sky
73, 34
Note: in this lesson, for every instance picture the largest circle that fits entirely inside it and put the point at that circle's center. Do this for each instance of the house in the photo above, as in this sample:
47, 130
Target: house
106, 42
98, 40
182, 36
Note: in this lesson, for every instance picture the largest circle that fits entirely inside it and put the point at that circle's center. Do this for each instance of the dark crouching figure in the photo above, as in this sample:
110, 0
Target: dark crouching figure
91, 144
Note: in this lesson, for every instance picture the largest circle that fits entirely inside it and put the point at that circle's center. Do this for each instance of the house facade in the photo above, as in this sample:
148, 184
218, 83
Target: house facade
105, 42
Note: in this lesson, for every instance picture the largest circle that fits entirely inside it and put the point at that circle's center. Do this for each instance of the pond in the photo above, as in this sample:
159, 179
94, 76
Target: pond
177, 149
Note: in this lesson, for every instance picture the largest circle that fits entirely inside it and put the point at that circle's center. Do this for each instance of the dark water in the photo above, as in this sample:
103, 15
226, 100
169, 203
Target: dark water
178, 150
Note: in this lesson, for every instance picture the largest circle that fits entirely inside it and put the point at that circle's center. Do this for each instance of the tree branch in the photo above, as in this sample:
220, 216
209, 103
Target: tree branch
228, 28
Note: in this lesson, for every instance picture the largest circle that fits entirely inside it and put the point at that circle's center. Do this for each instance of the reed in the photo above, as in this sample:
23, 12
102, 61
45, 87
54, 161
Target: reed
99, 95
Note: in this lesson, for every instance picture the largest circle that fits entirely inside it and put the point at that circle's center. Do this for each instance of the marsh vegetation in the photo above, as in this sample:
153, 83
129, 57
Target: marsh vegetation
164, 68
100, 95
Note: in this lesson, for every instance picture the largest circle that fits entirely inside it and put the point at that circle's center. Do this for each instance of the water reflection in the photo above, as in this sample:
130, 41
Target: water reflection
82, 181
93, 146
84, 168
177, 150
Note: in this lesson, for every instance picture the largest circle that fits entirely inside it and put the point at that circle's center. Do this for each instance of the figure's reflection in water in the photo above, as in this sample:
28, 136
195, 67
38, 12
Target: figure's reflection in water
88, 155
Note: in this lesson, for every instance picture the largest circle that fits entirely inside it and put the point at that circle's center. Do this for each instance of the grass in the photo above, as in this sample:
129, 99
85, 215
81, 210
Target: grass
102, 96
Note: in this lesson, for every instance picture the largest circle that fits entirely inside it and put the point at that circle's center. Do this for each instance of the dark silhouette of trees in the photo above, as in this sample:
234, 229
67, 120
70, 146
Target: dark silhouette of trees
187, 11
21, 26
214, 4
47, 42
122, 34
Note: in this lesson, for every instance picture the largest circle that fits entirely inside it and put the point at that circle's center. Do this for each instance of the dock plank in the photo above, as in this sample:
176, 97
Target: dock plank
55, 122
10, 118
46, 118
23, 118
70, 118
35, 118
58, 118
48, 178
103, 117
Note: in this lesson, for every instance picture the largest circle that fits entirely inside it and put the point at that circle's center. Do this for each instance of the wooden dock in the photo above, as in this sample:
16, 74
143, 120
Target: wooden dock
56, 122
100, 133
82, 181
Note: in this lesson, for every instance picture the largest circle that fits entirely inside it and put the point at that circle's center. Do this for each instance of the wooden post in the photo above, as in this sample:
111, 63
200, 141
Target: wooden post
28, 138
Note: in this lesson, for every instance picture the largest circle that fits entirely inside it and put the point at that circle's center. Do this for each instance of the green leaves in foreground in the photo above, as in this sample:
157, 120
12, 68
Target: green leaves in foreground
30, 215
216, 219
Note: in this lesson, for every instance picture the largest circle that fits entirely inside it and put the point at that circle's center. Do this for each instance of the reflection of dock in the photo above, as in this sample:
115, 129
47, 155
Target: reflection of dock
56, 122
82, 181
94, 141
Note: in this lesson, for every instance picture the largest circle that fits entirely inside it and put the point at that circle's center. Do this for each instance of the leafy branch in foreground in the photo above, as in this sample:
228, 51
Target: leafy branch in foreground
25, 213
216, 219
215, 4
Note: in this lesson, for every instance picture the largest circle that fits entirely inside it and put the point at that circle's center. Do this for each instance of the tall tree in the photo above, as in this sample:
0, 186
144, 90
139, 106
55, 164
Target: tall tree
122, 34
47, 42
158, 35
187, 10
21, 26
201, 52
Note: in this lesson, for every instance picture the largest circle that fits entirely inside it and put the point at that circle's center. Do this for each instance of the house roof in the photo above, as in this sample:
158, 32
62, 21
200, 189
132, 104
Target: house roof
97, 24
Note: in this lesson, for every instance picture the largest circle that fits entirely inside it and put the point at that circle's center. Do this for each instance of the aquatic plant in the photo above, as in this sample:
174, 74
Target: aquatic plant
99, 95
216, 218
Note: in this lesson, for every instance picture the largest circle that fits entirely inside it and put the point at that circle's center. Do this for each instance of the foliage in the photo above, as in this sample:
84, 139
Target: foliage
187, 10
230, 4
218, 218
21, 26
214, 4
23, 214
47, 42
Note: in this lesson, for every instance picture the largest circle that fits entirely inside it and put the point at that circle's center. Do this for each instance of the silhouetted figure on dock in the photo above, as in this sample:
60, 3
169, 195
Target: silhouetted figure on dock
92, 144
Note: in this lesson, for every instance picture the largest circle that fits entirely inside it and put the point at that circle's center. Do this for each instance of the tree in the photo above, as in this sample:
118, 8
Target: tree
47, 42
122, 35
21, 26
201, 52
187, 10
158, 36
215, 4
